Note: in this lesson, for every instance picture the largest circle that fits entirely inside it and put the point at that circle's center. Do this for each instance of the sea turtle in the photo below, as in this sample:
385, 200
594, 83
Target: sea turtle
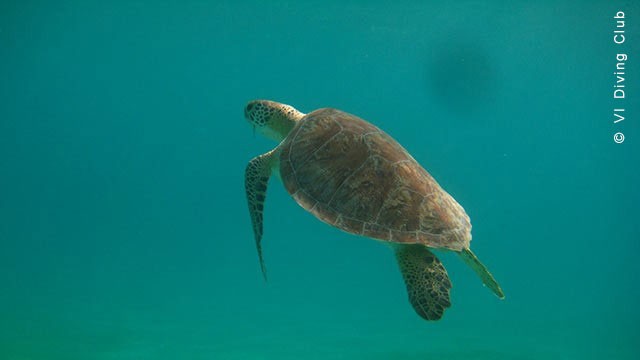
352, 175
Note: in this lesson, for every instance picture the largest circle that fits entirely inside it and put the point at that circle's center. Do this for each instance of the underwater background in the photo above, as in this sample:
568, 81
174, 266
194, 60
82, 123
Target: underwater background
124, 230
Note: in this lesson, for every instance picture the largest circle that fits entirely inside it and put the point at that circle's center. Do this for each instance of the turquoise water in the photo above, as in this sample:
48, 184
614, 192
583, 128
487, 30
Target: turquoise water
124, 232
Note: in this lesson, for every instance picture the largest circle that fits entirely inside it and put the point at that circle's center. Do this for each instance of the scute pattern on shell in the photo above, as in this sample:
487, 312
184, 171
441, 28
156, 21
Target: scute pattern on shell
352, 175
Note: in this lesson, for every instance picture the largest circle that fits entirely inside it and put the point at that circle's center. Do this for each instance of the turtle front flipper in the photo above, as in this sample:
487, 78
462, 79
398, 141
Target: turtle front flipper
426, 278
256, 179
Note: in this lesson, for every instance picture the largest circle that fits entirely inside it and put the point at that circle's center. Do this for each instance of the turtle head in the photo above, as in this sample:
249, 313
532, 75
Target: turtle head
271, 119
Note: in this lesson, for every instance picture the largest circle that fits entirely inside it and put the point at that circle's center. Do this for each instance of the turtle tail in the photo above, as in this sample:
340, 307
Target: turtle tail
470, 259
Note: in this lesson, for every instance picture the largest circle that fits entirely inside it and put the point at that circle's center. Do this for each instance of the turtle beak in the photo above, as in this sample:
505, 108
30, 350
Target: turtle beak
247, 109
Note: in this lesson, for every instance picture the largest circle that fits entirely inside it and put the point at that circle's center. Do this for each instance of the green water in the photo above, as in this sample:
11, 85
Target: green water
124, 232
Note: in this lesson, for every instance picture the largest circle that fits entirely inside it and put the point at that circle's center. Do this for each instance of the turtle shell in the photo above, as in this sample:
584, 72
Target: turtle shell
352, 175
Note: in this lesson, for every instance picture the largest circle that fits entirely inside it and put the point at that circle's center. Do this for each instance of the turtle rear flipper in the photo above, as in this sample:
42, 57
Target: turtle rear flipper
256, 180
426, 278
470, 259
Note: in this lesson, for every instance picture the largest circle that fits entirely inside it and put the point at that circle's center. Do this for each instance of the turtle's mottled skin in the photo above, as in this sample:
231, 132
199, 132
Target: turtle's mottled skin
352, 175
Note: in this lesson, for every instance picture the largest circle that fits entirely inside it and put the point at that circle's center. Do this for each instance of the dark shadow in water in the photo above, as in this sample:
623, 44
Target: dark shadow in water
460, 76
